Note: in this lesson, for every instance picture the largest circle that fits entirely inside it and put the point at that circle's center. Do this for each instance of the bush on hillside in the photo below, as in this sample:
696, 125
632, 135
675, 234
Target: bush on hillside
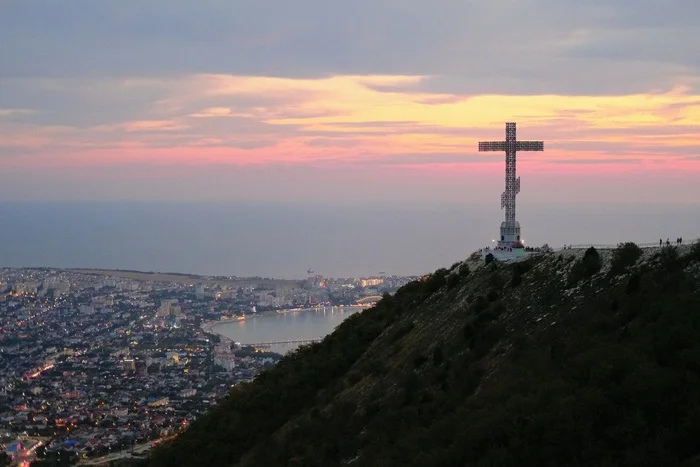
695, 251
669, 258
453, 280
624, 257
517, 278
519, 269
633, 284
586, 267
435, 281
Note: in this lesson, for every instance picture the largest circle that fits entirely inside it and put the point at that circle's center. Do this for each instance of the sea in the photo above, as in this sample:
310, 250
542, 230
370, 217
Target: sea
285, 331
292, 241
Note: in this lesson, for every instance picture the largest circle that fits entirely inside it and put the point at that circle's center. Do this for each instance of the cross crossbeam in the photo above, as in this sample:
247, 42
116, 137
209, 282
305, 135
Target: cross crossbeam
486, 146
510, 229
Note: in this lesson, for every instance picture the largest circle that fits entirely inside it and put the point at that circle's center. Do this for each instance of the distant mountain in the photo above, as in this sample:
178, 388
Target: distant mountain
585, 358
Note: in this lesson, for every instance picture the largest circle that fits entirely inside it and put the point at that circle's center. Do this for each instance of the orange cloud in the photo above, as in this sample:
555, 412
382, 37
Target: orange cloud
214, 112
10, 112
253, 120
152, 125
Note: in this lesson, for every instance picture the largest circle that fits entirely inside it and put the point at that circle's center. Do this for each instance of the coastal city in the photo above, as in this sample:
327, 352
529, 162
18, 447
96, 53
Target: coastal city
98, 364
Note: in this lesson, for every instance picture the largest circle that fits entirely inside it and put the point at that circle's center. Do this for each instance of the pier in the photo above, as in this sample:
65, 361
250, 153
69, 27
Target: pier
264, 345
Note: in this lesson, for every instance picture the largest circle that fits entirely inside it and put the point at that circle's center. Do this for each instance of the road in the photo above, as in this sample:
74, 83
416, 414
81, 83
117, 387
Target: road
125, 453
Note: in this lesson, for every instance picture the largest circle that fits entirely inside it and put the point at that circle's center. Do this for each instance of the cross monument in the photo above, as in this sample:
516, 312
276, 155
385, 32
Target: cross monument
510, 228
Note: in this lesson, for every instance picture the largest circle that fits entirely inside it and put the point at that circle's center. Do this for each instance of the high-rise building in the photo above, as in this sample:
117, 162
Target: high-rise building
166, 307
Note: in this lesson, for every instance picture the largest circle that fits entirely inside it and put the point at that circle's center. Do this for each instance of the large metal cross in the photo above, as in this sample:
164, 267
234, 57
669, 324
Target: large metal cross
511, 146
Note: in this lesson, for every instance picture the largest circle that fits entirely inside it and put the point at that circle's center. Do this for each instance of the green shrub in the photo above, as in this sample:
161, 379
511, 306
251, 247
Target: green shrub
586, 267
517, 279
669, 258
496, 280
480, 304
435, 281
624, 257
694, 254
519, 269
399, 331
452, 281
524, 266
633, 284
492, 296
486, 339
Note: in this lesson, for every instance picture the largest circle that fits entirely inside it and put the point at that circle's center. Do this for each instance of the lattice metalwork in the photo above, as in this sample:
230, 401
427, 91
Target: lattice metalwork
529, 146
510, 146
492, 146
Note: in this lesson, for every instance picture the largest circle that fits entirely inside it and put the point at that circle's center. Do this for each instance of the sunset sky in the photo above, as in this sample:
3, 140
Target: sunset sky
319, 101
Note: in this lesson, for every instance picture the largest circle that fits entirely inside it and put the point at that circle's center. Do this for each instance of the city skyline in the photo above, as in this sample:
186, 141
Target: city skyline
368, 102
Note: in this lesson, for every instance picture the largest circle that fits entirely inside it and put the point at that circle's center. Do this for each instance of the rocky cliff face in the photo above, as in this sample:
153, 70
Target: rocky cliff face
572, 358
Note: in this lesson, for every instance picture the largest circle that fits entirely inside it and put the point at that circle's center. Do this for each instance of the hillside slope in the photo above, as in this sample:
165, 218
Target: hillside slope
563, 359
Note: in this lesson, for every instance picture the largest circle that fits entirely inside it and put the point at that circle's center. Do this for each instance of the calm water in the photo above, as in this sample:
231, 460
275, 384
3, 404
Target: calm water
275, 327
286, 241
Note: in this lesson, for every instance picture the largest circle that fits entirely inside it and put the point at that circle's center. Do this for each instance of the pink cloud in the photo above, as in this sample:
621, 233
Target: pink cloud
355, 120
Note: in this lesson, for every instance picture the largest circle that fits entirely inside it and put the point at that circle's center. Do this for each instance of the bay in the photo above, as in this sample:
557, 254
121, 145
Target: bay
298, 325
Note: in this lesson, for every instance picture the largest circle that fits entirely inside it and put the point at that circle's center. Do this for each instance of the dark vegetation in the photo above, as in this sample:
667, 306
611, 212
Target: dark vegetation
586, 266
624, 257
506, 365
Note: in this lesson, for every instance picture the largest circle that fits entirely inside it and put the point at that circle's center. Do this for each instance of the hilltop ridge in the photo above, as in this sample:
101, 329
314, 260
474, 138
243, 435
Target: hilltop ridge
579, 357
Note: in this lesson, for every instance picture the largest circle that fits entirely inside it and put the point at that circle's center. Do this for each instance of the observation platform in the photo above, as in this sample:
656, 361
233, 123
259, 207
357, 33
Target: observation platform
504, 254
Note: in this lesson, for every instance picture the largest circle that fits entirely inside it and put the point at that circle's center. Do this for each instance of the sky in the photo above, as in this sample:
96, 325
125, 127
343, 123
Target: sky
317, 101
373, 108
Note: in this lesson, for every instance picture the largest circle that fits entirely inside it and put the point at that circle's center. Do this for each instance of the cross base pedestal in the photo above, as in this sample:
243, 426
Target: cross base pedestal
510, 234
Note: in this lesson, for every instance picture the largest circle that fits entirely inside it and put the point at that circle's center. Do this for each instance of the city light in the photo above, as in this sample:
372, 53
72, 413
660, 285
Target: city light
119, 360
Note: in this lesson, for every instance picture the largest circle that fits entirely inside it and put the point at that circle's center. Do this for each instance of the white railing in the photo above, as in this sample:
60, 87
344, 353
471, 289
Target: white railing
640, 245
